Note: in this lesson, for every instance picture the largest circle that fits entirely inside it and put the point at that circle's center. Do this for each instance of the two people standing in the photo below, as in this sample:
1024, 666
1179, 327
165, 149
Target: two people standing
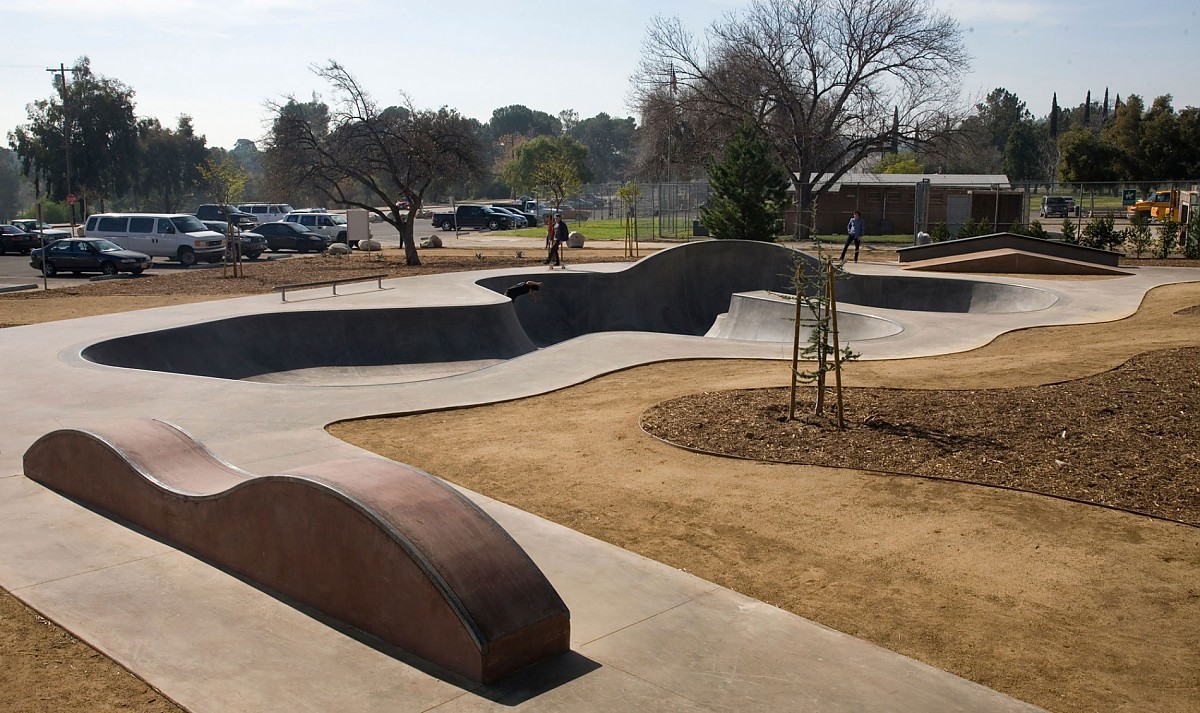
556, 235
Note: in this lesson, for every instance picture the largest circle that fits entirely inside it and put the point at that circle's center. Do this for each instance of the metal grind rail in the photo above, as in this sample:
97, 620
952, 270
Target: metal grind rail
283, 289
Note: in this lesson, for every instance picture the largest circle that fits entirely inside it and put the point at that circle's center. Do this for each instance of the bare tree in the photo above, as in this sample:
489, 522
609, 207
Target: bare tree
830, 82
367, 158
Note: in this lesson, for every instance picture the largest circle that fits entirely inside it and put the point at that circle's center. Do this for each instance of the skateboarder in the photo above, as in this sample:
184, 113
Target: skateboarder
529, 287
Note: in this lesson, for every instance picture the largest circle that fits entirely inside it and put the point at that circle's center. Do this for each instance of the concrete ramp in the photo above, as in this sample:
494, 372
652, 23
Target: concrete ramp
1012, 262
769, 317
386, 548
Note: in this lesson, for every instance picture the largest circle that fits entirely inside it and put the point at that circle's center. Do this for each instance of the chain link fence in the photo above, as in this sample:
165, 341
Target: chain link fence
664, 210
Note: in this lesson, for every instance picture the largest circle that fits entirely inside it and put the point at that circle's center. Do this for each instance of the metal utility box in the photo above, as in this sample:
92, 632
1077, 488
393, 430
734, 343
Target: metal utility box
358, 226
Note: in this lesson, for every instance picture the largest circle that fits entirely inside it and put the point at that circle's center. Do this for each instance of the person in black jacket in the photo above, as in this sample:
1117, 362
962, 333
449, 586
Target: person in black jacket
528, 287
560, 236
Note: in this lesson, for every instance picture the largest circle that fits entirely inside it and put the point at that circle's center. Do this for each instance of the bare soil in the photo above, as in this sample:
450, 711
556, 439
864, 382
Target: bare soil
1064, 604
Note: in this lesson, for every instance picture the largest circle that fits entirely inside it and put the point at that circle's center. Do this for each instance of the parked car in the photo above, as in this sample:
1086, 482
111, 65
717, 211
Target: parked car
76, 255
292, 236
215, 211
520, 221
474, 216
331, 225
15, 240
1057, 206
266, 212
50, 233
253, 244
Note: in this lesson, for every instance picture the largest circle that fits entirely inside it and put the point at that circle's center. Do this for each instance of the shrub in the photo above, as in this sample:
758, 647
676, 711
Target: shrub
968, 229
1069, 234
1191, 242
1100, 233
1033, 229
940, 233
1168, 236
1138, 237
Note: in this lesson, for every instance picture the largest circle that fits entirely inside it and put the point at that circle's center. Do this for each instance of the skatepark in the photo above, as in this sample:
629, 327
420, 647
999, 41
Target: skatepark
218, 370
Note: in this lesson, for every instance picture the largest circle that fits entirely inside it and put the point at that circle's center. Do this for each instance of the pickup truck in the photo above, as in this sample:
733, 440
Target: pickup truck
473, 216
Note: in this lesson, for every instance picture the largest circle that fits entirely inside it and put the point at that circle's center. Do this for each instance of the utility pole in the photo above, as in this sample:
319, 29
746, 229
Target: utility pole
62, 74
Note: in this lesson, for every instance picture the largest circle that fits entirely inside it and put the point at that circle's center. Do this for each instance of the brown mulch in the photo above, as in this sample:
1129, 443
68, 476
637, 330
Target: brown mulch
1126, 438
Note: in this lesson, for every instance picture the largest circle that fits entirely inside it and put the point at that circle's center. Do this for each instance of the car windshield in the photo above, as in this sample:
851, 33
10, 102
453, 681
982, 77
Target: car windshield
300, 228
285, 208
230, 209
337, 219
106, 246
188, 224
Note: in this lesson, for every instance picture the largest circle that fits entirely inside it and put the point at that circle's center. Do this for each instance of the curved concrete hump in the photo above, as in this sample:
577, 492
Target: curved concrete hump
386, 548
965, 247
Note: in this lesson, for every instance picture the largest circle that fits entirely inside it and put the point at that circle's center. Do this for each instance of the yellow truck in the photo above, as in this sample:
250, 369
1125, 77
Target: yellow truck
1161, 206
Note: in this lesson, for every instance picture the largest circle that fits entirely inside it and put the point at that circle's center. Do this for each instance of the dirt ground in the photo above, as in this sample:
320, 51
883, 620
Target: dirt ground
1063, 604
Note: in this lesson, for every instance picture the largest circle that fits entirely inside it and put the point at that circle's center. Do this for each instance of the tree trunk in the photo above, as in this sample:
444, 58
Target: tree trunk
803, 208
405, 227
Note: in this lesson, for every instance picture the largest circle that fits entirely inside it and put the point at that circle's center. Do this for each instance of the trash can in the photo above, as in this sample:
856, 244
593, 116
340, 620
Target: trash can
699, 230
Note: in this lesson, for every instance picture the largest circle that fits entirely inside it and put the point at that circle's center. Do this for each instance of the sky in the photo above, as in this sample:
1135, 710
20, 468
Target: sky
222, 62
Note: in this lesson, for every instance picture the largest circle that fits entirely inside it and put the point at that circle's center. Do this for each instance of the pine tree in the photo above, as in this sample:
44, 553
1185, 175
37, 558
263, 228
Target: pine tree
1104, 113
749, 190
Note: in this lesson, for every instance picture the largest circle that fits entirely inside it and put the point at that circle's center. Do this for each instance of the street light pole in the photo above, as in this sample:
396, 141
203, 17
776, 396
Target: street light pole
62, 74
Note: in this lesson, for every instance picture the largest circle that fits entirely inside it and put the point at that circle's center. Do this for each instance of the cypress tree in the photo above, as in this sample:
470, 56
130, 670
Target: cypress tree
1104, 113
1087, 110
749, 190
1054, 117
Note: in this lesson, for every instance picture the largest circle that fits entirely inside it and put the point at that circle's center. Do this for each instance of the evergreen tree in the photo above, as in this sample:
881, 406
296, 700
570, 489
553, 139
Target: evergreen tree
1087, 110
1054, 117
749, 190
1104, 111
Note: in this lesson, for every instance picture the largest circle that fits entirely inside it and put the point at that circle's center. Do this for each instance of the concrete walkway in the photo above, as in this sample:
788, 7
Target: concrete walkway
644, 636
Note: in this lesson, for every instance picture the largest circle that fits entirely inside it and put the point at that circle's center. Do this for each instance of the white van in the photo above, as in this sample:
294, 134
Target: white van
176, 236
266, 212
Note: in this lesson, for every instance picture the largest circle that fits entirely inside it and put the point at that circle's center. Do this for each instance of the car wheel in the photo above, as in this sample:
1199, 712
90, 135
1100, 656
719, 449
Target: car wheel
447, 225
341, 238
109, 268
493, 224
137, 270
301, 248
1, 248
273, 249
50, 269
187, 256
253, 256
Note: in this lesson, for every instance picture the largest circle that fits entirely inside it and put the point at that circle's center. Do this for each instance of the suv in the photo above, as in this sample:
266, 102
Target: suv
266, 212
1057, 206
29, 225
223, 213
331, 225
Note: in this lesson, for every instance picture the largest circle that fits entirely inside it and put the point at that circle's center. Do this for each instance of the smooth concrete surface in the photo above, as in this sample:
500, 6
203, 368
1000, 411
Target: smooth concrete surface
644, 636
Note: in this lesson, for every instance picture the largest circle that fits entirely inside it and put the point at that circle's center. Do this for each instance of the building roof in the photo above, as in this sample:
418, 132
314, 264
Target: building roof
957, 180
